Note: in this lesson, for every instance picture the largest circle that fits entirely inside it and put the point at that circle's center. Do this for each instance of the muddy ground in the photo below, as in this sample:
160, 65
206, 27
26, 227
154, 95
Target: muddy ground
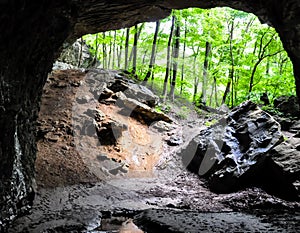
158, 194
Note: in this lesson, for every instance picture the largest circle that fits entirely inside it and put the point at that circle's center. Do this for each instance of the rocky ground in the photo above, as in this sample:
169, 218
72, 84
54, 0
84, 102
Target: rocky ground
88, 182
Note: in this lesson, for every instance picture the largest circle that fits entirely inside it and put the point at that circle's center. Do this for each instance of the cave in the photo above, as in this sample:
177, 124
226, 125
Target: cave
32, 35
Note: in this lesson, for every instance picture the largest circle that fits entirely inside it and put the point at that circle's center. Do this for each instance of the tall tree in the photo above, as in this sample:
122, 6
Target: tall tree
175, 59
205, 71
137, 34
153, 52
134, 49
260, 57
127, 47
104, 53
195, 73
183, 56
168, 60
114, 50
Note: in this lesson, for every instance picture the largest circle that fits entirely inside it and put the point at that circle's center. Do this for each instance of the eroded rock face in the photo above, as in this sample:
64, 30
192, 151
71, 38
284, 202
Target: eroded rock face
232, 154
31, 39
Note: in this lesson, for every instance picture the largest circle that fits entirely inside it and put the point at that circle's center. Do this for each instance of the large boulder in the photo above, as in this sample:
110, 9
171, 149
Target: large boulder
133, 90
232, 154
140, 111
286, 157
287, 105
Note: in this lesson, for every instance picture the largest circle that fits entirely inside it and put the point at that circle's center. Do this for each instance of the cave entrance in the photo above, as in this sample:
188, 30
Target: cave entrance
221, 51
70, 172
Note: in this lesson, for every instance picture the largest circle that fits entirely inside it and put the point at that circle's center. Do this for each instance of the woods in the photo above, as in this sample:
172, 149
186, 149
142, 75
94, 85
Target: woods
209, 57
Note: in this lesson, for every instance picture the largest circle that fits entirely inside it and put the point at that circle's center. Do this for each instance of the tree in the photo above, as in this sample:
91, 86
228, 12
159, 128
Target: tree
262, 50
126, 47
183, 56
134, 49
153, 52
205, 69
175, 59
168, 60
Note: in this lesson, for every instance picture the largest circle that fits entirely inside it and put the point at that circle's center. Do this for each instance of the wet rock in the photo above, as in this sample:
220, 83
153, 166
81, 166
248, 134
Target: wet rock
287, 105
232, 154
286, 157
175, 140
295, 127
284, 122
171, 221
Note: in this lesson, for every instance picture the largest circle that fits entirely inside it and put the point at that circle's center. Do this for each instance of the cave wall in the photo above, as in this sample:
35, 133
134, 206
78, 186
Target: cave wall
31, 37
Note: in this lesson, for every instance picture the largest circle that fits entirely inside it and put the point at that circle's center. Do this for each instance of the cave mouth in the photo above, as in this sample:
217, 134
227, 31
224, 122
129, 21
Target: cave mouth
41, 40
94, 170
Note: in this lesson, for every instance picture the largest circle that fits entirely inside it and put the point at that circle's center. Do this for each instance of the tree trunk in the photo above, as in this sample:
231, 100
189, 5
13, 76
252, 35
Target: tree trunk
205, 68
231, 71
104, 54
138, 36
120, 51
196, 77
175, 60
261, 56
183, 56
150, 69
95, 58
227, 90
114, 50
134, 49
126, 47
168, 60
110, 51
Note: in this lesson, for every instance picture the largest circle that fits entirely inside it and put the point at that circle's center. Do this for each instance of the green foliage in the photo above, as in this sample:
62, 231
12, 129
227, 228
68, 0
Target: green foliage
237, 40
271, 110
184, 112
210, 123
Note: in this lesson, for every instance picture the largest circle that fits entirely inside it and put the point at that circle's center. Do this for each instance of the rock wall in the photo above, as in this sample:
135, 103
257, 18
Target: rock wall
32, 34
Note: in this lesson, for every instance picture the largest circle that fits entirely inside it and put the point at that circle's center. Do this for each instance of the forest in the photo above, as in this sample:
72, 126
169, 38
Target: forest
208, 57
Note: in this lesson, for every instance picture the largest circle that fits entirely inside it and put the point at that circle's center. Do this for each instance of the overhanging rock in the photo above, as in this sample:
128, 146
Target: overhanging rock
232, 154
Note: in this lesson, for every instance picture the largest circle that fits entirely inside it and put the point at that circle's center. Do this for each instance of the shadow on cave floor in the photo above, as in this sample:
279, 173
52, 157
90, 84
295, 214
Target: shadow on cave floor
77, 194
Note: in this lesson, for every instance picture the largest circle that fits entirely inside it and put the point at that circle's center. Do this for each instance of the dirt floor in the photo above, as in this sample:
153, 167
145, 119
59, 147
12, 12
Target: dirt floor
141, 178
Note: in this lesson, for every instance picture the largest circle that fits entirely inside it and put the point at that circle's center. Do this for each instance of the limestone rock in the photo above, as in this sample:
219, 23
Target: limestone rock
140, 111
233, 153
287, 105
134, 91
162, 126
287, 157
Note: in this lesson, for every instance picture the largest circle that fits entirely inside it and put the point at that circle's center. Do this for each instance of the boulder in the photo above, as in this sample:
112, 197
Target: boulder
233, 153
133, 90
139, 110
288, 105
287, 158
